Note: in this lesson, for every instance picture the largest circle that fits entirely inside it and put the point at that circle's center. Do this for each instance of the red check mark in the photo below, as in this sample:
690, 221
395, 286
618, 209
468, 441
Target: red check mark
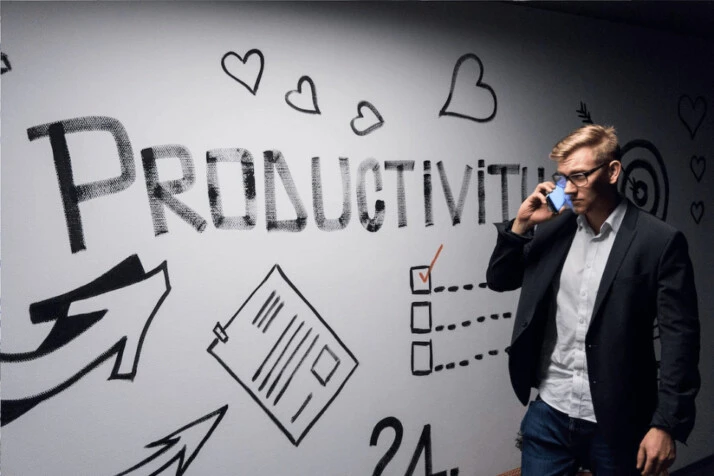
428, 271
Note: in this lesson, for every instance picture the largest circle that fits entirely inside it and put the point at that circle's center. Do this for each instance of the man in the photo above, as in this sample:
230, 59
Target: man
594, 279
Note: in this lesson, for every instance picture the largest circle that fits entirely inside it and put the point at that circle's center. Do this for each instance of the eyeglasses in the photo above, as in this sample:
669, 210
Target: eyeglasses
578, 179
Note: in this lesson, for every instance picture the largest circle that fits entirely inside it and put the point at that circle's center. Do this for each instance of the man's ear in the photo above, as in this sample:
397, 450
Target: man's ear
614, 169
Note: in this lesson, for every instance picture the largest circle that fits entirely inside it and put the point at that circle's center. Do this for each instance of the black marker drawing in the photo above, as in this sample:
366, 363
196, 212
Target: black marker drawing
400, 166
697, 211
222, 222
284, 354
274, 161
698, 165
73, 194
692, 113
455, 210
367, 123
92, 323
371, 224
504, 170
423, 446
644, 177
318, 205
5, 67
475, 101
179, 448
300, 100
162, 194
584, 114
234, 65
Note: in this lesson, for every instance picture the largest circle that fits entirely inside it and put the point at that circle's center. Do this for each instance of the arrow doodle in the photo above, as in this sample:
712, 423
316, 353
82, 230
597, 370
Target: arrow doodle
185, 442
6, 67
107, 317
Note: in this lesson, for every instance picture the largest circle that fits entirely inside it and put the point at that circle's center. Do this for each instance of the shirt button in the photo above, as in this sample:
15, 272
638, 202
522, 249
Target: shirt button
583, 294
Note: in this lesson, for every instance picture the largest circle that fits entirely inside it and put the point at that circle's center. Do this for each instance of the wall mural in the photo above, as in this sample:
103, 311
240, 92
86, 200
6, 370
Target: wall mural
302, 101
92, 323
692, 112
177, 450
235, 66
299, 366
5, 66
284, 349
475, 101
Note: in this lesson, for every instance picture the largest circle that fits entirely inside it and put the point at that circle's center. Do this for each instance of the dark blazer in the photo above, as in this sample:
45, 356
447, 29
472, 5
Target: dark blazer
648, 275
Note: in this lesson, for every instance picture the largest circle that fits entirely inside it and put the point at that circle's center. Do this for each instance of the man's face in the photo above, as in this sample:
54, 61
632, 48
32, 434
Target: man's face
586, 196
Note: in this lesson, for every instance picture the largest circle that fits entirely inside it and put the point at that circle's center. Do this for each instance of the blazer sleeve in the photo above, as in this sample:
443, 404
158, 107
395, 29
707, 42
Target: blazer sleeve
507, 263
679, 333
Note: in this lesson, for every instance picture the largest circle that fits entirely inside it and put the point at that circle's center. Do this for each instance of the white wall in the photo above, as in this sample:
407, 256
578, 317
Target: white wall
157, 70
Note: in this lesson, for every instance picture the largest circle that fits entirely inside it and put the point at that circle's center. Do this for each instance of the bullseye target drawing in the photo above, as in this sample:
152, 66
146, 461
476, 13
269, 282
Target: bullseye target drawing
644, 177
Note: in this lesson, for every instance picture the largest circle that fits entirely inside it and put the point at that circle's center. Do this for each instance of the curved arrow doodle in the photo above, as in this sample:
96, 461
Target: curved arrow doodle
185, 442
698, 165
692, 113
373, 117
471, 93
228, 61
107, 317
300, 97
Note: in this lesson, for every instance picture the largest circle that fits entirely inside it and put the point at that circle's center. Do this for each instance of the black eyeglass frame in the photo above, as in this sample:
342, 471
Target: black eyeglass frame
557, 176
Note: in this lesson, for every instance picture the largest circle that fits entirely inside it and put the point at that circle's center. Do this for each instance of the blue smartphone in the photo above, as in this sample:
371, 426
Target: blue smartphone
557, 198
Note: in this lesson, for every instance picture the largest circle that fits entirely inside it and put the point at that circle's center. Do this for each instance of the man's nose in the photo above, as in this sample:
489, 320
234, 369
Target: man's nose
570, 187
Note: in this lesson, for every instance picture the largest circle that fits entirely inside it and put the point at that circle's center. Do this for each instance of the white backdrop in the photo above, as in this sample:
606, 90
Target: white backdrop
374, 329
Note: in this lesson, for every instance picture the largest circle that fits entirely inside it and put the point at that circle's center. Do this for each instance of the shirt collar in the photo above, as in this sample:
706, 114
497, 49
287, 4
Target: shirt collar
613, 221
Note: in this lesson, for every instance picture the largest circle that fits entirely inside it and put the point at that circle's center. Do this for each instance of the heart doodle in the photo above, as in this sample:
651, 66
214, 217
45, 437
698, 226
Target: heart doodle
233, 68
300, 100
698, 166
692, 113
479, 102
373, 117
697, 211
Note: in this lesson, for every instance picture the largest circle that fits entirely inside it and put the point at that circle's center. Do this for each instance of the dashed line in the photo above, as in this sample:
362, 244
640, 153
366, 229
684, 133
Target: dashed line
465, 363
453, 289
452, 327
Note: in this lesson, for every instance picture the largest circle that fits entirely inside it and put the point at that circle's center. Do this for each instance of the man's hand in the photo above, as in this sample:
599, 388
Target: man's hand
657, 452
534, 209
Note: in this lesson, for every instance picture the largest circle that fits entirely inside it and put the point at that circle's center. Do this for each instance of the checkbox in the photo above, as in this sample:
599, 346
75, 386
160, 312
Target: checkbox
417, 284
422, 360
421, 317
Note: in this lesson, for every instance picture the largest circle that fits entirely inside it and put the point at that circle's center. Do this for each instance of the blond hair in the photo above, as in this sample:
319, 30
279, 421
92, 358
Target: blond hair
603, 141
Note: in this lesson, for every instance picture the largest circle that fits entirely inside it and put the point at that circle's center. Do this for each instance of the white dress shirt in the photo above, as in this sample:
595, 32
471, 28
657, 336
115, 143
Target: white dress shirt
564, 382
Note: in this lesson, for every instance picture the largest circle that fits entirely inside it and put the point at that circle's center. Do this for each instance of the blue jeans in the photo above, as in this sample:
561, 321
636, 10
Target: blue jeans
555, 444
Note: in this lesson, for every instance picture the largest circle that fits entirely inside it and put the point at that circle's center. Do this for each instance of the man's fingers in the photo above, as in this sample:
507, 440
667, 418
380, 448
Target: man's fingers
641, 456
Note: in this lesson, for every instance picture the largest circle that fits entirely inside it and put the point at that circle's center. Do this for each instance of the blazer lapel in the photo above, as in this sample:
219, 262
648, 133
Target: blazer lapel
623, 240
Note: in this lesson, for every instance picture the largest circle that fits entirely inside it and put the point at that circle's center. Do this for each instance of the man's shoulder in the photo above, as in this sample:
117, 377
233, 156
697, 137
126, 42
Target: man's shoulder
651, 225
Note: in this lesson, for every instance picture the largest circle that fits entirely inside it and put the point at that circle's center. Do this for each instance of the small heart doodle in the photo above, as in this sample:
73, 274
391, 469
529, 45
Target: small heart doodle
692, 113
477, 103
302, 101
697, 211
235, 66
698, 166
373, 117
